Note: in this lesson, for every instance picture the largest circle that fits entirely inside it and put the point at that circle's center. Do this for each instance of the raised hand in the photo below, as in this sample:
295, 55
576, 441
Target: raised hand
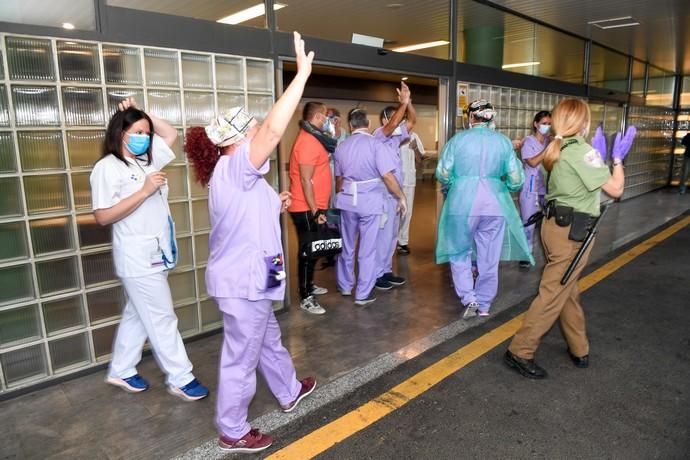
599, 143
403, 93
622, 143
304, 60
127, 103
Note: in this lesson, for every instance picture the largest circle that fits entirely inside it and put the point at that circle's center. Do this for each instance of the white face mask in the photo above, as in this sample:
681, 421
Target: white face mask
544, 129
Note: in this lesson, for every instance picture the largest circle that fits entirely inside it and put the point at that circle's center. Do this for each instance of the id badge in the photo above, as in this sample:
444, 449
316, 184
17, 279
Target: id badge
156, 257
275, 270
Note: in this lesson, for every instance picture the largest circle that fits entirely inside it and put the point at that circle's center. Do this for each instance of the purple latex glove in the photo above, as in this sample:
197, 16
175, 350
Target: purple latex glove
599, 143
622, 143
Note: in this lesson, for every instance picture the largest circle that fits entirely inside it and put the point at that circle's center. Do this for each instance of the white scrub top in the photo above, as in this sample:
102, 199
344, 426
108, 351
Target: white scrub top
139, 237
408, 160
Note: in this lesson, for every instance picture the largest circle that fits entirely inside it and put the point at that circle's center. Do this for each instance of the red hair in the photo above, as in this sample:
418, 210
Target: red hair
202, 153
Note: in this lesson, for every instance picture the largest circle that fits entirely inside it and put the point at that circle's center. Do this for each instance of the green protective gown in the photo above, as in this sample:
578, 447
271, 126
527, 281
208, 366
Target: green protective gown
469, 156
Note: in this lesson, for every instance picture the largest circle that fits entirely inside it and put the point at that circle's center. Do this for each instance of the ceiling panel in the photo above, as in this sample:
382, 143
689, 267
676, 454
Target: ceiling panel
662, 37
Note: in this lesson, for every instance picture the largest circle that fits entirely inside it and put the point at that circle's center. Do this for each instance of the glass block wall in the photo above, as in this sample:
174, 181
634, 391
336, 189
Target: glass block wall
648, 164
515, 107
682, 129
59, 297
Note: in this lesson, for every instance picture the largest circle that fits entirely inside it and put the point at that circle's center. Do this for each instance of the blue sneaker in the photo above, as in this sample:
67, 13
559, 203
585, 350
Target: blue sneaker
193, 391
392, 279
133, 384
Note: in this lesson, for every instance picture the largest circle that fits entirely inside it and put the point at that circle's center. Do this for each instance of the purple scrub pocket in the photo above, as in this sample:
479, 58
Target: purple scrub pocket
275, 270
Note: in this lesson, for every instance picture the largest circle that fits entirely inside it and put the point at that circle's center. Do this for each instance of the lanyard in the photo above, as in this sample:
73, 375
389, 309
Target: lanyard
168, 263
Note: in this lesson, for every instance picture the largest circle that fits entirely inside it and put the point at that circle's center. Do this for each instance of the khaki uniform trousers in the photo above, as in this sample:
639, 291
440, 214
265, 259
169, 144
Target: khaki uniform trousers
555, 301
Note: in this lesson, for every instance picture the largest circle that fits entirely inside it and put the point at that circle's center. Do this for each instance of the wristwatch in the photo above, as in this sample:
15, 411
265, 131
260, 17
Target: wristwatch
618, 163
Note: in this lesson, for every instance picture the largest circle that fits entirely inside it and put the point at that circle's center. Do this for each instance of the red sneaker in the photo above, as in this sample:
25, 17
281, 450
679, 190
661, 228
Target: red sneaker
254, 441
308, 386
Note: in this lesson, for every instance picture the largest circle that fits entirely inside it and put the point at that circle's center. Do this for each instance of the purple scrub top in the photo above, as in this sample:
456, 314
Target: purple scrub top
363, 159
534, 179
244, 211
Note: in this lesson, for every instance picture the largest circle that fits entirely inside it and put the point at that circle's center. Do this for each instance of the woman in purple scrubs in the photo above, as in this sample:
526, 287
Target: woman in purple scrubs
245, 271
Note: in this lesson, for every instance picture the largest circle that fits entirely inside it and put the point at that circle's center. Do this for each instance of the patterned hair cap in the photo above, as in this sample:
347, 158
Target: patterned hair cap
481, 108
229, 127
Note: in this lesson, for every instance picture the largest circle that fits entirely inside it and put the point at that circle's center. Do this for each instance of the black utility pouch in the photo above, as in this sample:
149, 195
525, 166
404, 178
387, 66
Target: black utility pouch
563, 215
581, 223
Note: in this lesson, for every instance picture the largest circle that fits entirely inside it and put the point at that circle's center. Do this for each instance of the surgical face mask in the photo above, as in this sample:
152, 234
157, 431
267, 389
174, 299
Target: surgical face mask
544, 129
138, 144
328, 127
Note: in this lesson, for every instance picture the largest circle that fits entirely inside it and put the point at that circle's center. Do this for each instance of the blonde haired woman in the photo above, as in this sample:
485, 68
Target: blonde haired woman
576, 174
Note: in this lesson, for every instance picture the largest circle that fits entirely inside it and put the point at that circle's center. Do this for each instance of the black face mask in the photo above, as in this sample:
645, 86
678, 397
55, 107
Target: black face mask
328, 142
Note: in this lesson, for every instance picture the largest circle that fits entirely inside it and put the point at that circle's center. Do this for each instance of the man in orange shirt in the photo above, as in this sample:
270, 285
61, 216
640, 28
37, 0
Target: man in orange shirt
310, 186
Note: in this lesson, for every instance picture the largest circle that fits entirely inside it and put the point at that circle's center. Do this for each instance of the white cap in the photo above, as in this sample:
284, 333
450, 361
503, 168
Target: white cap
229, 127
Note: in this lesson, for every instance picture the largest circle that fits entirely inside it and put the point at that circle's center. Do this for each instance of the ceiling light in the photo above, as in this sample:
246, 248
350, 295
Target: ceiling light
614, 23
615, 26
520, 64
68, 25
420, 46
404, 78
249, 13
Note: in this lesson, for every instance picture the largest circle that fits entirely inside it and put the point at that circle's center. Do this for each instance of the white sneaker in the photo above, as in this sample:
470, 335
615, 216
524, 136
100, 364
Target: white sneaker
318, 290
310, 305
470, 310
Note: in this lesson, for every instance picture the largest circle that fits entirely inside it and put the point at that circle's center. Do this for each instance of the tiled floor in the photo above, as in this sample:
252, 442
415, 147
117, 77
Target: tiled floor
84, 418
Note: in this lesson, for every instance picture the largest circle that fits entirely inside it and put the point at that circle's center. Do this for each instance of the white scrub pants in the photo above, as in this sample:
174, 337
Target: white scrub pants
404, 233
149, 314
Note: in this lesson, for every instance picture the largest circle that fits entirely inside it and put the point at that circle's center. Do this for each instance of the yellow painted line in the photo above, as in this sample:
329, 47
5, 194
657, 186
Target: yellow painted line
358, 419
613, 265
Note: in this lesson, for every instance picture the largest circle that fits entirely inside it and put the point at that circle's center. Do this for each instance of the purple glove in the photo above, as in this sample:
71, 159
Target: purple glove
622, 143
599, 143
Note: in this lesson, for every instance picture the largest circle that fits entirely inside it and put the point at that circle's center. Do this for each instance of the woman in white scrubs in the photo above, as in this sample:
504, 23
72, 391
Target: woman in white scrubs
130, 192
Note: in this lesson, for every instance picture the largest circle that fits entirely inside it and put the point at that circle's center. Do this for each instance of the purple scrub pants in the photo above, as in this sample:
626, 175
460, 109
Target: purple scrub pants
251, 340
487, 233
387, 239
366, 226
529, 204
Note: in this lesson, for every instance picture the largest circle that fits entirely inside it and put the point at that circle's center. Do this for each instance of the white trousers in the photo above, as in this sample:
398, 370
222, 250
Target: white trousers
404, 233
149, 314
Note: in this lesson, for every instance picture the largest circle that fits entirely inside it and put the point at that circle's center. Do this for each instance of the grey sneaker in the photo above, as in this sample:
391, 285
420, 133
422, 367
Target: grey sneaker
318, 290
310, 305
470, 310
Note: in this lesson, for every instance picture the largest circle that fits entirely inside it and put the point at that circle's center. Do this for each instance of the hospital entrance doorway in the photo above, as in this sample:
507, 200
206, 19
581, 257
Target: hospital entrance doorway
344, 89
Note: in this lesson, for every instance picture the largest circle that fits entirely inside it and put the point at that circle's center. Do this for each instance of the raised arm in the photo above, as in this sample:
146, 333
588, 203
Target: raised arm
273, 127
616, 184
411, 116
399, 114
161, 127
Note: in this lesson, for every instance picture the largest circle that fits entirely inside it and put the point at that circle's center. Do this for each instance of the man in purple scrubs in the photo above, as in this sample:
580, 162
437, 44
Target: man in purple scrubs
395, 126
364, 179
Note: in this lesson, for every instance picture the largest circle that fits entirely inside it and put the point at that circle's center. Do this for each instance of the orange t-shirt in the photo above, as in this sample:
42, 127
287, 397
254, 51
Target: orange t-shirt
309, 151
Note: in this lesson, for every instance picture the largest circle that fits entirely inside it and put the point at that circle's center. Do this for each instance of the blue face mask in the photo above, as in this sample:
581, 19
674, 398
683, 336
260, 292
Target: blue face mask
544, 129
138, 144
